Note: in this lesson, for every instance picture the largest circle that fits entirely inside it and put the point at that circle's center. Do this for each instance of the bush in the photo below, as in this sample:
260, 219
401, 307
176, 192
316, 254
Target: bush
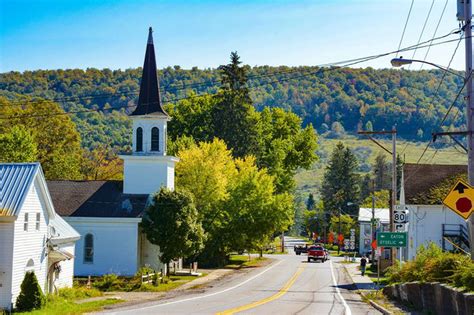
31, 296
107, 282
432, 264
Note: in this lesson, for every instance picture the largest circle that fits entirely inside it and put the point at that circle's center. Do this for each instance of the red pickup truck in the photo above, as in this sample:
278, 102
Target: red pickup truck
317, 252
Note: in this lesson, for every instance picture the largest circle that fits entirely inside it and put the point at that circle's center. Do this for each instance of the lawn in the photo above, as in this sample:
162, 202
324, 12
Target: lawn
66, 302
373, 276
170, 283
244, 261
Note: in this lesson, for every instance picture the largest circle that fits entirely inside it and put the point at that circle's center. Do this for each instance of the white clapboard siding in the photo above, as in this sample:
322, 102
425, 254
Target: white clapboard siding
6, 246
30, 244
115, 245
67, 269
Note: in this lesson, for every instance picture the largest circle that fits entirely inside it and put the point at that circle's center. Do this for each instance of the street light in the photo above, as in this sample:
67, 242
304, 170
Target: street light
398, 62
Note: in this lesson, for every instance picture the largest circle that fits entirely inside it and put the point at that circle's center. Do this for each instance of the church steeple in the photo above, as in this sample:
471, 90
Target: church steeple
149, 101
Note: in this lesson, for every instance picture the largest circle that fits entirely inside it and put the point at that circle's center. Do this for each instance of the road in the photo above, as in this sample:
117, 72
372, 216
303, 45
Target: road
289, 285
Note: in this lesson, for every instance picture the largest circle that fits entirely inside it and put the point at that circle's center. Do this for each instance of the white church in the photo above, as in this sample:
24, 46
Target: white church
107, 214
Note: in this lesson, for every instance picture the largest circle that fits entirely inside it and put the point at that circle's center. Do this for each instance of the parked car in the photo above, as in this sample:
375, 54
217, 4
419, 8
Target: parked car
317, 253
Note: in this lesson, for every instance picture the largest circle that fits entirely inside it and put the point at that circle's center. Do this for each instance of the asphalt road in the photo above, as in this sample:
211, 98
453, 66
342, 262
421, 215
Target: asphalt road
290, 285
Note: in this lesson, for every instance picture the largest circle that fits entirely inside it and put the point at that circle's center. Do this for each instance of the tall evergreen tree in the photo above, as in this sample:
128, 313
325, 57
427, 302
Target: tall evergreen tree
310, 203
341, 182
234, 117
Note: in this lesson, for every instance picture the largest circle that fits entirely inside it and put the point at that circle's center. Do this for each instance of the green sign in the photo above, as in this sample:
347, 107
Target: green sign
392, 239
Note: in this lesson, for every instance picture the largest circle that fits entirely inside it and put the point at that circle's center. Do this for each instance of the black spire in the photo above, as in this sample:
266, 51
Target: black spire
149, 101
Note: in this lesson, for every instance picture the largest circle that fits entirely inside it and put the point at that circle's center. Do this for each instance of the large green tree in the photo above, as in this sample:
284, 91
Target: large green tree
18, 145
172, 223
340, 188
57, 140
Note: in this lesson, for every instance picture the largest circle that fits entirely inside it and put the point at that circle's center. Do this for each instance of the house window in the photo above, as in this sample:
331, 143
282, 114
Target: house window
155, 137
38, 219
25, 224
89, 248
139, 139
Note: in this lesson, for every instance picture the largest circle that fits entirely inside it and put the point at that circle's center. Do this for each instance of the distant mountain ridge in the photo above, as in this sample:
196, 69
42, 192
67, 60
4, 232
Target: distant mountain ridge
334, 100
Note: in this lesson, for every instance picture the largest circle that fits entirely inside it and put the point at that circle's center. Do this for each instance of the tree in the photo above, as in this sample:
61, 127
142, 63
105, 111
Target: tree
18, 145
31, 296
340, 185
255, 211
382, 172
382, 198
347, 223
234, 117
102, 163
171, 222
57, 140
310, 202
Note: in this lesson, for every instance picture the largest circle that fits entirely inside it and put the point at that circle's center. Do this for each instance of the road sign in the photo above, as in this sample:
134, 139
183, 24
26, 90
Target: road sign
461, 199
340, 238
400, 227
392, 239
331, 238
374, 244
400, 214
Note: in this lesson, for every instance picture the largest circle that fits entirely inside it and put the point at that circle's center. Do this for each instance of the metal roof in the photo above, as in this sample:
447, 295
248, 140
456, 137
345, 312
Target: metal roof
15, 181
365, 214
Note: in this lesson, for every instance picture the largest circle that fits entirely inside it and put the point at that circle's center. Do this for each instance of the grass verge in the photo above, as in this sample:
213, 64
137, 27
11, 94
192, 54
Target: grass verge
244, 261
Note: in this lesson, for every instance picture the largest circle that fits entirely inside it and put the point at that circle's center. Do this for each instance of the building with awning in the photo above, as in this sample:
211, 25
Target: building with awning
33, 237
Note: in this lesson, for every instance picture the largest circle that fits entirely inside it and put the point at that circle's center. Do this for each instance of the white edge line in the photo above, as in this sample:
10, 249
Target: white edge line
348, 310
207, 295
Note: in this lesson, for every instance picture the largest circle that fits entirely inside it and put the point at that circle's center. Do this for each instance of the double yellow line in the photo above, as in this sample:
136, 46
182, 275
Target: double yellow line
280, 293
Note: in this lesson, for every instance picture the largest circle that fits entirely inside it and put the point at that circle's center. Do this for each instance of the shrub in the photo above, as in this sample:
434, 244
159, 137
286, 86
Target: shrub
464, 276
31, 296
107, 282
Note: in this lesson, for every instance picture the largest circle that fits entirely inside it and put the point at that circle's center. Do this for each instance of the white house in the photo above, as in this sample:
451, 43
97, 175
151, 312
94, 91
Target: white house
107, 214
382, 217
431, 221
33, 237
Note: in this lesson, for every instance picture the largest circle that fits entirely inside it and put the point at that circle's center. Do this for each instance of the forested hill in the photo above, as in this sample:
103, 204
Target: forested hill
333, 100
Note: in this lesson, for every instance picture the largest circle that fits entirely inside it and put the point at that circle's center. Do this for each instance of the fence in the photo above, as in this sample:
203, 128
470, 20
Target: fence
149, 277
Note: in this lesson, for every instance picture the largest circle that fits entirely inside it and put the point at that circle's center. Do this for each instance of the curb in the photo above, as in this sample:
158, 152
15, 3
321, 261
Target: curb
374, 304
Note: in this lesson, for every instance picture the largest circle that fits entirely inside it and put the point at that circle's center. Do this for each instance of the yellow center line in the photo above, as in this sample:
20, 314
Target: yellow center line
280, 293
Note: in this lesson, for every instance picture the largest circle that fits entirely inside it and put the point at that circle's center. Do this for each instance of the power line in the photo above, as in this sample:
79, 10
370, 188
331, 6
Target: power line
436, 31
406, 23
346, 63
423, 29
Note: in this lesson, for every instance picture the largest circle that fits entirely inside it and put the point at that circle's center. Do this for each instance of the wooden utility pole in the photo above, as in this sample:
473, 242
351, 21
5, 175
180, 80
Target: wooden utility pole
393, 152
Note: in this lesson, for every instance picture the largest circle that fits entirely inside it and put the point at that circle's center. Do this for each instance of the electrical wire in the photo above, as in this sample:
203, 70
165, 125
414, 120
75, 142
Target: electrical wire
344, 63
423, 30
435, 31
406, 23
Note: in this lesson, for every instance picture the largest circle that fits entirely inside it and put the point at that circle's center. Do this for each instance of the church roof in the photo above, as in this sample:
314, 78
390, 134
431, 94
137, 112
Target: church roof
75, 198
149, 100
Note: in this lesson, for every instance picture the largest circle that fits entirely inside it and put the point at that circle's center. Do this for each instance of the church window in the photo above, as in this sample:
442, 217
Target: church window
139, 139
155, 136
89, 248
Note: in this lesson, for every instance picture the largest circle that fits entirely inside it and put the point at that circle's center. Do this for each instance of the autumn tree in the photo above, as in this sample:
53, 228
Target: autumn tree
18, 145
57, 140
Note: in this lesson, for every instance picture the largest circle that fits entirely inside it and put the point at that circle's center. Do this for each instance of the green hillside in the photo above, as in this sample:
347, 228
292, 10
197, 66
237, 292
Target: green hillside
310, 180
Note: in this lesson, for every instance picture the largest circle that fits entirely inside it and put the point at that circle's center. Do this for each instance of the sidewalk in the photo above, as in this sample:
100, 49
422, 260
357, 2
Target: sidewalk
361, 282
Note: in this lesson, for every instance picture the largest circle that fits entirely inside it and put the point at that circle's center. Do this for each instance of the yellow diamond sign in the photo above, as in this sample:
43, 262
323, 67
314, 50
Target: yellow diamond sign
461, 199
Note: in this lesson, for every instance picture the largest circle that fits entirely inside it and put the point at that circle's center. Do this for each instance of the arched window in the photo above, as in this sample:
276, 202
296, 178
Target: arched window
89, 248
155, 139
139, 139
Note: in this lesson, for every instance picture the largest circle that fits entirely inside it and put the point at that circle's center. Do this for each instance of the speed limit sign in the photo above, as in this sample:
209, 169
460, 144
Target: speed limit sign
400, 214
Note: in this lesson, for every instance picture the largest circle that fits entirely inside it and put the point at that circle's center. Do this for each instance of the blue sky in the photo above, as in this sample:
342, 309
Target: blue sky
47, 34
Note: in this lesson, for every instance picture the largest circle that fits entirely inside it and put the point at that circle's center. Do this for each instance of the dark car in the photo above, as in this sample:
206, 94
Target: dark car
301, 249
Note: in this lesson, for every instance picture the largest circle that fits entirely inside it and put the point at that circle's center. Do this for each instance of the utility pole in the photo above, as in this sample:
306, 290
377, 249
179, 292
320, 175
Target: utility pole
339, 241
372, 222
393, 152
470, 109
